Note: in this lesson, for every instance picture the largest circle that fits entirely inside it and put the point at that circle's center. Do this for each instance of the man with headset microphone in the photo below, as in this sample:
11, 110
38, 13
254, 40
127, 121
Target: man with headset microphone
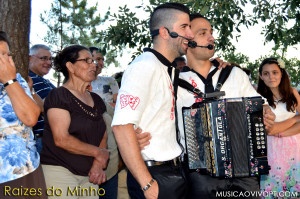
203, 75
146, 100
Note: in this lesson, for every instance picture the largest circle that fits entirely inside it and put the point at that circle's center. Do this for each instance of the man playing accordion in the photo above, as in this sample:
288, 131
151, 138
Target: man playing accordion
203, 75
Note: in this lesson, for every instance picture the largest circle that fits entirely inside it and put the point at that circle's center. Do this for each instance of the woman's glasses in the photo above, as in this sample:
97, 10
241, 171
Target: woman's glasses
88, 60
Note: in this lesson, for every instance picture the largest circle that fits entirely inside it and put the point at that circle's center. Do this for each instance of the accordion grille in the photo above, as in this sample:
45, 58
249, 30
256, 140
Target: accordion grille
238, 137
191, 140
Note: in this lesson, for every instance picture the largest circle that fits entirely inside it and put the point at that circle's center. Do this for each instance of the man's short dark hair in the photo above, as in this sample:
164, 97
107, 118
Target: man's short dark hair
197, 16
3, 37
118, 77
163, 15
179, 59
177, 6
98, 50
92, 49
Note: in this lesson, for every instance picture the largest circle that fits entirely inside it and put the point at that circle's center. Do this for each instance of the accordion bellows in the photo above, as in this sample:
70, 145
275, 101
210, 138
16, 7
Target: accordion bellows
226, 137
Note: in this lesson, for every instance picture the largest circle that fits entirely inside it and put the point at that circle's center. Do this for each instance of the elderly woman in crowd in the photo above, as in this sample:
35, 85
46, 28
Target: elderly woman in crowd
74, 150
19, 159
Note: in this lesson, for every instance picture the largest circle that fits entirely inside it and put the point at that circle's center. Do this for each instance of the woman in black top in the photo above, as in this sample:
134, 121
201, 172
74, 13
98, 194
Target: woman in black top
74, 150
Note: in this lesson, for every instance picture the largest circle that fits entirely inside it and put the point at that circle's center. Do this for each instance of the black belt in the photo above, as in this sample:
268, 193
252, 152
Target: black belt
176, 161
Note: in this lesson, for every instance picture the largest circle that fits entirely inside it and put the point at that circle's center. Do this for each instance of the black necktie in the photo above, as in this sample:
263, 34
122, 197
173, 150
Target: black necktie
208, 84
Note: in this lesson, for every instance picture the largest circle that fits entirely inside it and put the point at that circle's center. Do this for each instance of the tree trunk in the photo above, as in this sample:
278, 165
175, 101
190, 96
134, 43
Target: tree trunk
15, 21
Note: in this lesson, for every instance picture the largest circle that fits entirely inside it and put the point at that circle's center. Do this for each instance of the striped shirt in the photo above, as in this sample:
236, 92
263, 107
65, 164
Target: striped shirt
42, 87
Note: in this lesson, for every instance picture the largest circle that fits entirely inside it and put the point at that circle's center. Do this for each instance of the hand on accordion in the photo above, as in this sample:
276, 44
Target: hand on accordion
269, 117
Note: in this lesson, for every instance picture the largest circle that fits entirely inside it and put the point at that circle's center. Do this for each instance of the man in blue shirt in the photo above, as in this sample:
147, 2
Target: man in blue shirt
40, 60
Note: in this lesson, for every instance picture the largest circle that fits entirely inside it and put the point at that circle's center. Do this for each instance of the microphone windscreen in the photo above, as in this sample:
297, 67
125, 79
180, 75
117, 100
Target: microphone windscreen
192, 44
210, 47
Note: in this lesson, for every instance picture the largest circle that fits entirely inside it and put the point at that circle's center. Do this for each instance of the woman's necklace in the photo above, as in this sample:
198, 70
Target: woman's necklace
84, 97
276, 100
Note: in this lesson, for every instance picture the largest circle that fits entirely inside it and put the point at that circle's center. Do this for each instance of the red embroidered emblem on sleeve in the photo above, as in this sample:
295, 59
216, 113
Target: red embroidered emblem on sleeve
129, 99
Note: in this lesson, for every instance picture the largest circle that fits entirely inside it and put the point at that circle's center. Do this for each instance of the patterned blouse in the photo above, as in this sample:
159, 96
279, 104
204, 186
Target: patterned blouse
18, 154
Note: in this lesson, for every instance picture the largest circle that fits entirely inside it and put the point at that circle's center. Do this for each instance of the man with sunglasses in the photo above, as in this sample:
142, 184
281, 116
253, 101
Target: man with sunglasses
40, 60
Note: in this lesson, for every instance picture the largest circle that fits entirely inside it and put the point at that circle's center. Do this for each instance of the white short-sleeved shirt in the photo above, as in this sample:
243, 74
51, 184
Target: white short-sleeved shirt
146, 100
106, 87
236, 85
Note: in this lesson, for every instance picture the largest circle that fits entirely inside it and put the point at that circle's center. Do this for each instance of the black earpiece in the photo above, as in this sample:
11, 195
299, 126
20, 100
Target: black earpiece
191, 44
173, 34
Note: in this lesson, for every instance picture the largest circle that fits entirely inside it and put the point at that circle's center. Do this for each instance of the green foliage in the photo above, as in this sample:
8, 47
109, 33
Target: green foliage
226, 18
238, 58
277, 14
73, 23
129, 31
281, 19
253, 66
292, 66
293, 69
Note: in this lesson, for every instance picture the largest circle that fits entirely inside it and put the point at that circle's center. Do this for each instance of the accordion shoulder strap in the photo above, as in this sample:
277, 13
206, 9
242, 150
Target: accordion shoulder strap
184, 84
222, 78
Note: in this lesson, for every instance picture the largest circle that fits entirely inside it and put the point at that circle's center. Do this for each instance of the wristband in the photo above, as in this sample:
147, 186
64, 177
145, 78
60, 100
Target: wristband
145, 188
10, 82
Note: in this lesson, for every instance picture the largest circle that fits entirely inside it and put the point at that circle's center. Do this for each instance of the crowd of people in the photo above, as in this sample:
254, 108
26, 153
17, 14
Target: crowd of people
69, 141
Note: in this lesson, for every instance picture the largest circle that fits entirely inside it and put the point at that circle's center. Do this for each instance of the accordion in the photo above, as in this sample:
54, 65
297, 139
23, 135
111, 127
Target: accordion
226, 137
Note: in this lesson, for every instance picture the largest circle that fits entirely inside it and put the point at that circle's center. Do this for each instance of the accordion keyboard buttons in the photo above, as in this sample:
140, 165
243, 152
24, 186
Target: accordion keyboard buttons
263, 146
259, 131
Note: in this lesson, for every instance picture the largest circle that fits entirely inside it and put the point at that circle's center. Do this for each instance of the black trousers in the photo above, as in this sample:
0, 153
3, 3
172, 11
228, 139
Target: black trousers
172, 182
205, 186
